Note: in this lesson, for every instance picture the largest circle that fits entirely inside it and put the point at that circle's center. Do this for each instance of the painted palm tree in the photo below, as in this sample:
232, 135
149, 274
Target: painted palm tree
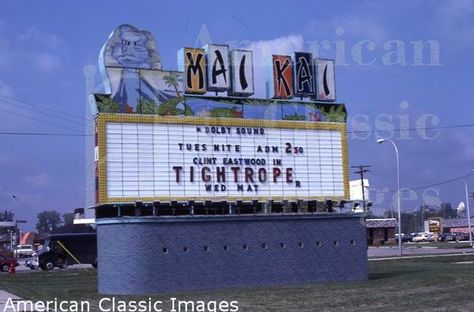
172, 79
106, 104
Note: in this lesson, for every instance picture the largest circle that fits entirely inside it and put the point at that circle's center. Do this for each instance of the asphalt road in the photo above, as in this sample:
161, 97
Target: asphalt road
415, 250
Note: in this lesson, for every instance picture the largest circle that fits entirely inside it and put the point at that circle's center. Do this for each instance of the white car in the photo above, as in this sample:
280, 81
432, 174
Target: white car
423, 237
32, 264
23, 251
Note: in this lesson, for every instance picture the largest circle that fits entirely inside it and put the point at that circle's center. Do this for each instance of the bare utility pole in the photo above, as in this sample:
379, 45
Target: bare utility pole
362, 169
469, 216
471, 195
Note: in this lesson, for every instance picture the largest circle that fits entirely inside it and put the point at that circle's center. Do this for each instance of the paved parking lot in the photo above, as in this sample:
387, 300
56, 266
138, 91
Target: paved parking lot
373, 252
22, 268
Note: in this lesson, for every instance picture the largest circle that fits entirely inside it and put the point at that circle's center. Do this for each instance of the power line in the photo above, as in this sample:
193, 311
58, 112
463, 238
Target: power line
13, 196
431, 185
31, 109
42, 107
17, 103
65, 134
22, 104
416, 129
45, 134
244, 25
33, 106
39, 120
439, 183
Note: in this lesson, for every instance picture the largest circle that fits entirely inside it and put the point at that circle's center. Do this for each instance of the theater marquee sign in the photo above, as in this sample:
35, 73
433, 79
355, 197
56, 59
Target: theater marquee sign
171, 158
200, 134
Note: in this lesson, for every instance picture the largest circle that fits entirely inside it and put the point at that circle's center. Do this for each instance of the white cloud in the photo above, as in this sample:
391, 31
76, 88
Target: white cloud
5, 90
6, 159
466, 142
262, 54
47, 61
456, 18
41, 48
31, 201
39, 180
354, 26
5, 55
33, 35
33, 46
362, 27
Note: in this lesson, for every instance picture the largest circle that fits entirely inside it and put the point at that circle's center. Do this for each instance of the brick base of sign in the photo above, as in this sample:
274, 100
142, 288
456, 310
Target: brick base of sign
143, 255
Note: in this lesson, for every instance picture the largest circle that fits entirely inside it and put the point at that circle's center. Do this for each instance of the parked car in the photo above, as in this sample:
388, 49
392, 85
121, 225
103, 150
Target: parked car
410, 236
460, 236
23, 251
404, 238
5, 263
32, 263
447, 237
423, 237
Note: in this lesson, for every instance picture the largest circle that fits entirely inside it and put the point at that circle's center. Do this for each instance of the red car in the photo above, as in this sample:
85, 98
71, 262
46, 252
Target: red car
5, 263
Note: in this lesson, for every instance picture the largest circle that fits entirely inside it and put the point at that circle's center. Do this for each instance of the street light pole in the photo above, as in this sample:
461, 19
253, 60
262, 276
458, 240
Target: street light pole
11, 239
467, 207
400, 248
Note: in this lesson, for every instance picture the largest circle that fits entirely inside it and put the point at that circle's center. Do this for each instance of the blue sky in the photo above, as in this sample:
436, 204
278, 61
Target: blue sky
44, 46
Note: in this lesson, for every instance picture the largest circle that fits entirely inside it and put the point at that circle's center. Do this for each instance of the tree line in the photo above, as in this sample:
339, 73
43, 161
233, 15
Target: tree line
414, 221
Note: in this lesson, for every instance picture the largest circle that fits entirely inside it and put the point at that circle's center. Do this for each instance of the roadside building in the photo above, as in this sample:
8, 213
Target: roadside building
27, 238
457, 225
381, 231
356, 190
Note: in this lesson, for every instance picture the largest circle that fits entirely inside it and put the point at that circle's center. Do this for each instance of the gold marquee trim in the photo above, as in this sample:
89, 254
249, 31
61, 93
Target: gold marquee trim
103, 119
114, 200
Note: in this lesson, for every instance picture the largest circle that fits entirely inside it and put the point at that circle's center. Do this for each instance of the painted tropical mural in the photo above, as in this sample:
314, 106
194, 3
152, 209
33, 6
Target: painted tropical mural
132, 76
200, 106
135, 83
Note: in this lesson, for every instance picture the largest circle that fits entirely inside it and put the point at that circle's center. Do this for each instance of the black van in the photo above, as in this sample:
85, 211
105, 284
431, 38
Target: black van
61, 250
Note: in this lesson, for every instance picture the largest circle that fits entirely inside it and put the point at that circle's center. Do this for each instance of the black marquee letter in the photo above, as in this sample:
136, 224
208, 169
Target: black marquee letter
177, 169
216, 72
205, 174
194, 70
281, 80
325, 81
243, 81
304, 75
